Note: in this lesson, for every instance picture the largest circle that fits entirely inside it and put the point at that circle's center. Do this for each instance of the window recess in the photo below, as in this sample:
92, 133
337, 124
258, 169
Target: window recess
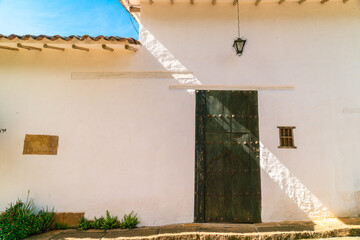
286, 135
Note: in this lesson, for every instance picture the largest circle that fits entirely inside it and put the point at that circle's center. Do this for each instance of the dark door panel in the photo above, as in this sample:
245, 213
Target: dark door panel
227, 157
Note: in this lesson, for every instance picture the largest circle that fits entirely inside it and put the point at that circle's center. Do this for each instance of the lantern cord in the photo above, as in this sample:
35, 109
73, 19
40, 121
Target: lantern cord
238, 17
132, 23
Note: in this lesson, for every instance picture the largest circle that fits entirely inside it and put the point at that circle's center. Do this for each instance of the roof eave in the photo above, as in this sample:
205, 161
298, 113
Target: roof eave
67, 39
127, 7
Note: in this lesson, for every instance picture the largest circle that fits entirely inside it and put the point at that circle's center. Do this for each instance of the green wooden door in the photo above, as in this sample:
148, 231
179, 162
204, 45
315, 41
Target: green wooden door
227, 170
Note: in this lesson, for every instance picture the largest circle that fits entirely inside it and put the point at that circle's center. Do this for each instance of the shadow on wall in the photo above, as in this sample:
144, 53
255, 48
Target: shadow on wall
292, 186
296, 191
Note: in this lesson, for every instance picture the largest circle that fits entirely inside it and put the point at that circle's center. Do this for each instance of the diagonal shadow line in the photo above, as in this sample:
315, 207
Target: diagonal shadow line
277, 171
294, 189
165, 57
292, 186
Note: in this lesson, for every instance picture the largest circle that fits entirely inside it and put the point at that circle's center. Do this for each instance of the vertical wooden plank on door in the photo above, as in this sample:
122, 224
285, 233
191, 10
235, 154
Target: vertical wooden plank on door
214, 177
255, 157
200, 156
216, 126
242, 207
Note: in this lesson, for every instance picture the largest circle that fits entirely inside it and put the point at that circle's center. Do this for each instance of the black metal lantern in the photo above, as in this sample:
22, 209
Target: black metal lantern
238, 45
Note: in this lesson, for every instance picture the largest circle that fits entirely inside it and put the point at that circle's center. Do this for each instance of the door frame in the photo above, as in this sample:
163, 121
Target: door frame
200, 156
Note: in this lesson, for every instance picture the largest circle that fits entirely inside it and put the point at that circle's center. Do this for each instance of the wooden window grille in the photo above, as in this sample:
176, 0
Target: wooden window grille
286, 137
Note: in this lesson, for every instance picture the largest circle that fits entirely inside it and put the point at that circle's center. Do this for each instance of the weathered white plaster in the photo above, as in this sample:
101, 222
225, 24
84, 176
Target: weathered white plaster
128, 144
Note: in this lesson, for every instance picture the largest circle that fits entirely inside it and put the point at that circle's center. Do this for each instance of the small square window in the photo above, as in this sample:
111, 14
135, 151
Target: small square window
286, 137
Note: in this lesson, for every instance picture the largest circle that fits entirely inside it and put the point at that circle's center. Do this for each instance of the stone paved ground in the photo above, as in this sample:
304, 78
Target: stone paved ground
327, 228
337, 238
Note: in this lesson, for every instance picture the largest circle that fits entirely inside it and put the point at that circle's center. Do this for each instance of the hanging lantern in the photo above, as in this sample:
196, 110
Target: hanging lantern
238, 45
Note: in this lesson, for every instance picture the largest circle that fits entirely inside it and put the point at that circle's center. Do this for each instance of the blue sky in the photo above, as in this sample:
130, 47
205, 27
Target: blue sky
66, 17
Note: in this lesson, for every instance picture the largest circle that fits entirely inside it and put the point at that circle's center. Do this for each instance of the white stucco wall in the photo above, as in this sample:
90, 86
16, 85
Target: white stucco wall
119, 140
311, 46
128, 144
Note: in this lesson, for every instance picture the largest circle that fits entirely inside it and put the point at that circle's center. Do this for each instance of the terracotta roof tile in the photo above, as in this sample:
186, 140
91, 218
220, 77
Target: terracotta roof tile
69, 38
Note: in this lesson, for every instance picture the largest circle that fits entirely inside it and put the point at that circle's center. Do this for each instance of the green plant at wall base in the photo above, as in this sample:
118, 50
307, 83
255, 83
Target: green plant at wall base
84, 224
97, 224
17, 222
48, 218
61, 226
20, 220
129, 221
110, 222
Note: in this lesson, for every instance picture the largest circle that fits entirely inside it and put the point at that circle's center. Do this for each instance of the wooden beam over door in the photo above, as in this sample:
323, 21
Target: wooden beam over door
213, 2
231, 87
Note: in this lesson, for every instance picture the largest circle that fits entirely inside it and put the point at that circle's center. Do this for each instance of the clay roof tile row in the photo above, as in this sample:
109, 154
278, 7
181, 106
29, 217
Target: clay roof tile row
69, 38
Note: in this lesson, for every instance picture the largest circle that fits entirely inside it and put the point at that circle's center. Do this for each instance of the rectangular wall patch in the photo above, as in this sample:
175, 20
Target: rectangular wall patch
41, 144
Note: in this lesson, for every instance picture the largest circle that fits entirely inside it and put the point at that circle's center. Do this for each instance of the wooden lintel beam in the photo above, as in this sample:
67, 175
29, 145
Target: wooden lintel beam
9, 48
345, 1
107, 48
231, 87
281, 1
134, 9
192, 2
213, 2
257, 2
172, 2
28, 47
79, 48
324, 1
235, 2
151, 2
52, 47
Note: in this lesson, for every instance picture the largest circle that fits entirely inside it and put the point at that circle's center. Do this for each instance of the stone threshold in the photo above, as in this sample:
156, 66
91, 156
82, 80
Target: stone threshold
263, 231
